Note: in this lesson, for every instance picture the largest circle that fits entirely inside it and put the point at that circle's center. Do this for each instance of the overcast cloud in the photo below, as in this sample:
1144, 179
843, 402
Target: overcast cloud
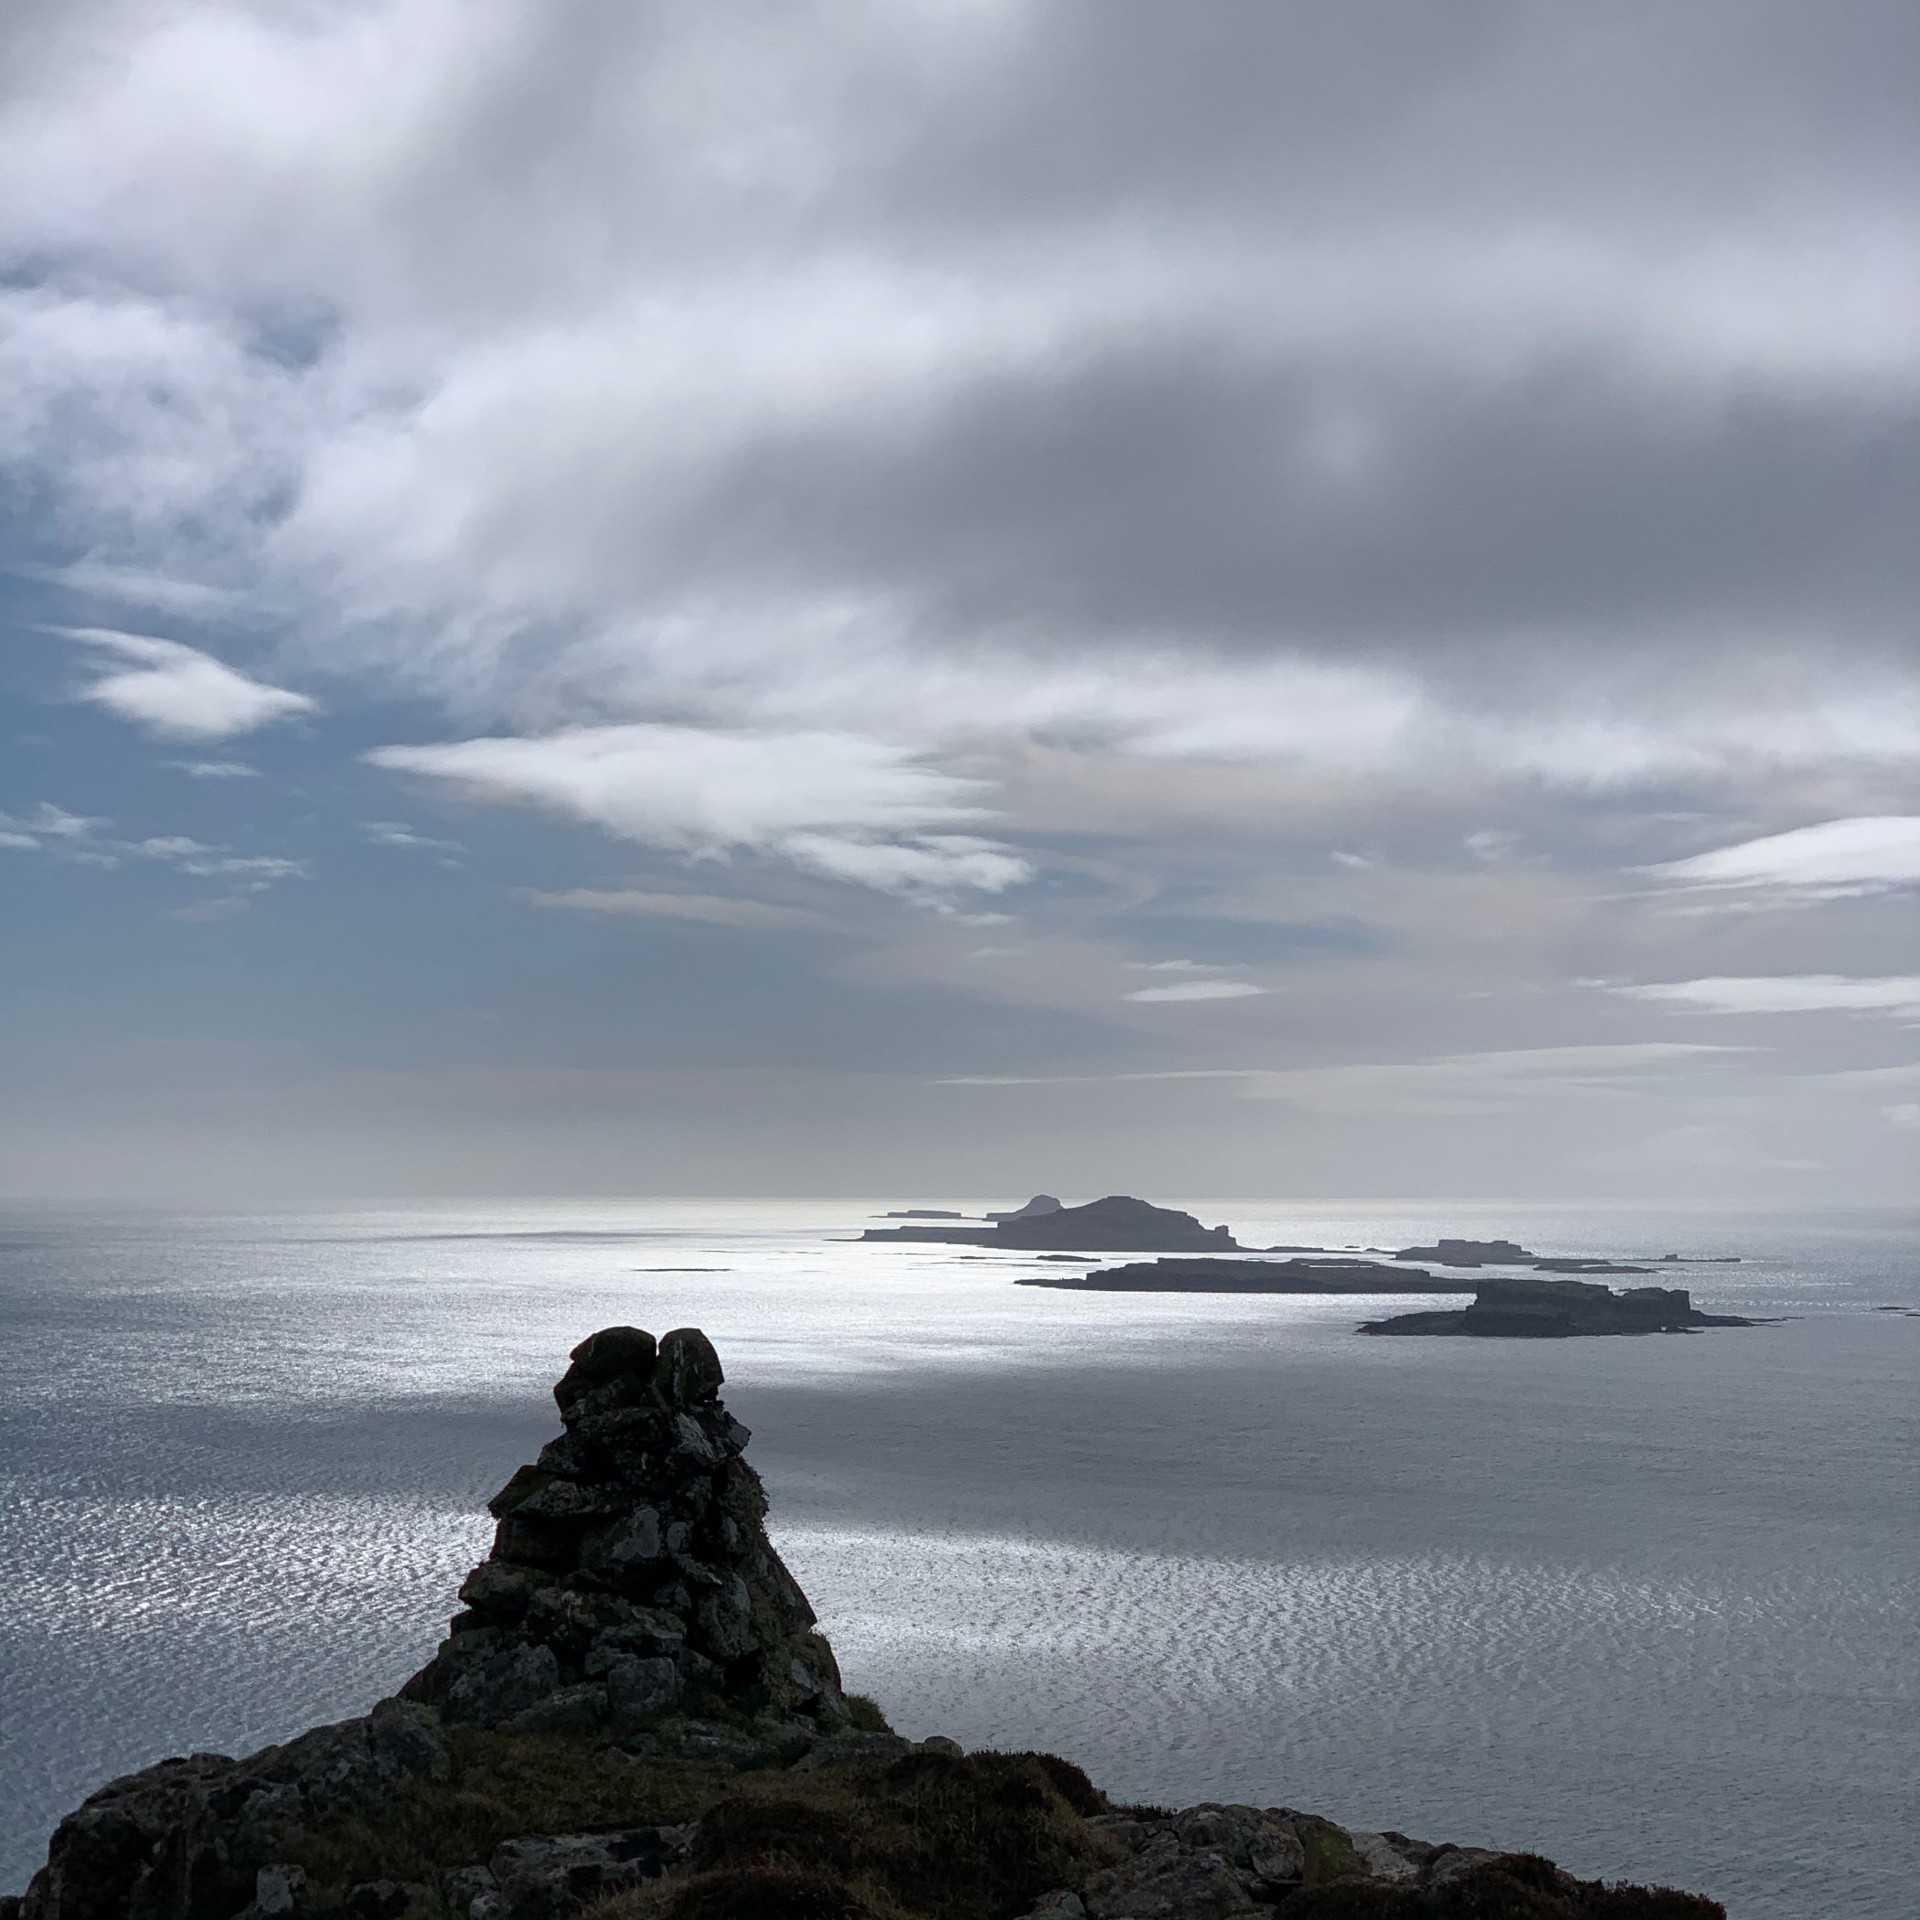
1410, 506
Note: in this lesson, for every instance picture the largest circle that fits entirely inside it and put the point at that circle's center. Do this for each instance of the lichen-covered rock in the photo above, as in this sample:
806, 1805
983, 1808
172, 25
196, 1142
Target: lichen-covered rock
1261, 1842
1389, 1857
465, 1886
186, 1839
631, 1563
852, 1749
1166, 1881
279, 1889
548, 1876
1214, 1860
636, 1687
489, 1690
1450, 1863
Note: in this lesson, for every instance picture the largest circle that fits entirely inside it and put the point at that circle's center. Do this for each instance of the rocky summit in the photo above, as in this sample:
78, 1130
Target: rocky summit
635, 1719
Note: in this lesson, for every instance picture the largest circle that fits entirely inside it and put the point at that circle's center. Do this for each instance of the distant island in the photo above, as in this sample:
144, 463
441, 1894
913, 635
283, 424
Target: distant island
1520, 1309
1471, 1253
1122, 1224
1329, 1275
1117, 1224
1041, 1203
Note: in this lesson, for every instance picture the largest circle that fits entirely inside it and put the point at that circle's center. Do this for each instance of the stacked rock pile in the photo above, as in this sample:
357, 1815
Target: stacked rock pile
631, 1565
630, 1570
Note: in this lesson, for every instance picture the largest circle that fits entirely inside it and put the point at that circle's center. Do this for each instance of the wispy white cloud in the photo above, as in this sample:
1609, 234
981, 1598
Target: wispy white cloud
258, 870
222, 907
263, 869
79, 839
928, 865
1784, 993
47, 822
850, 808
1836, 857
215, 769
1197, 990
136, 587
179, 692
1491, 844
711, 908
172, 846
396, 833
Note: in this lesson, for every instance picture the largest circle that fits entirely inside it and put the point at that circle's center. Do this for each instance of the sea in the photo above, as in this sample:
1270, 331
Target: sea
1644, 1605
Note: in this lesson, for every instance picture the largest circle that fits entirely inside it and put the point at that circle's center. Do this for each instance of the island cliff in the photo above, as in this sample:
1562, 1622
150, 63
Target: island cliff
1561, 1309
1117, 1224
636, 1718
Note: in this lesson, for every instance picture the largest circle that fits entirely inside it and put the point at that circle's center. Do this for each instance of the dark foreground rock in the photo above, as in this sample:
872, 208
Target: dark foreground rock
1561, 1309
635, 1718
1331, 1274
1117, 1224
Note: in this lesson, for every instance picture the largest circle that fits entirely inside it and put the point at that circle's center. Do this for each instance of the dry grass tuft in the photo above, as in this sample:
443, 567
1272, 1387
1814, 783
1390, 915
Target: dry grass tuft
865, 1715
771, 1892
505, 1785
949, 1836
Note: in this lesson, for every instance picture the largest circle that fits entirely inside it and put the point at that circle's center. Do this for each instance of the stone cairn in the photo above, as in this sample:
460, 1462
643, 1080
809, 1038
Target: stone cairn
631, 1567
631, 1581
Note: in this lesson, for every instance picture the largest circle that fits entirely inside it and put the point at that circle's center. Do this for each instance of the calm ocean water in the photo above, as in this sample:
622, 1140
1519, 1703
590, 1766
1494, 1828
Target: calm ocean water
1645, 1605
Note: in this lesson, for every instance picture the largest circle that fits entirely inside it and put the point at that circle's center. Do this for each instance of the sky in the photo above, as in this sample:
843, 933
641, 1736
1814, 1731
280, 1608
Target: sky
948, 597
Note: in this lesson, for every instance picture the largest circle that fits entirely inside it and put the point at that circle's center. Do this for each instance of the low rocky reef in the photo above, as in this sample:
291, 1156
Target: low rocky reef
1509, 1253
1561, 1309
636, 1719
1331, 1274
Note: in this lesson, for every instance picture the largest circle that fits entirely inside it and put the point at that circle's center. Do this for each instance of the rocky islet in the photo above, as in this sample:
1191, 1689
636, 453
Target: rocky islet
1117, 1224
1527, 1309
